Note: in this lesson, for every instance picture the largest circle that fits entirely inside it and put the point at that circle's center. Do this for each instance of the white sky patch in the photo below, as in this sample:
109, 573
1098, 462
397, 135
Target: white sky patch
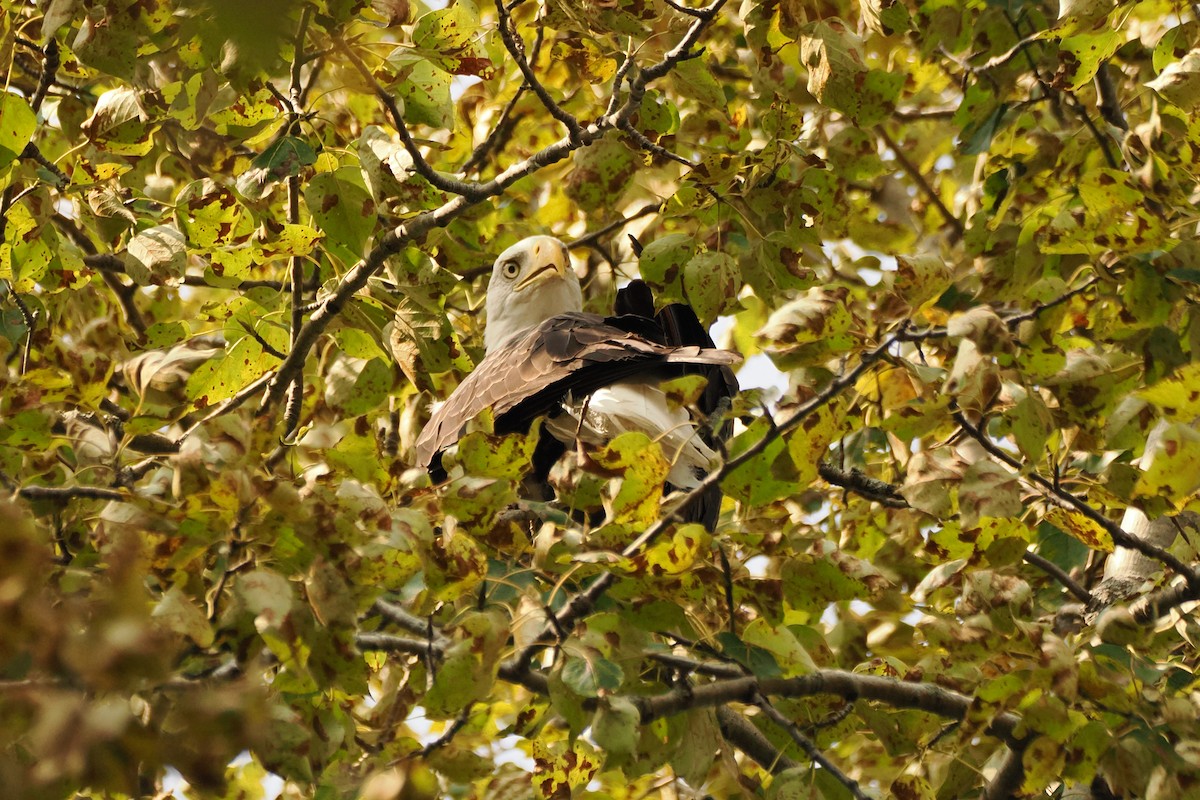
175, 786
757, 566
460, 83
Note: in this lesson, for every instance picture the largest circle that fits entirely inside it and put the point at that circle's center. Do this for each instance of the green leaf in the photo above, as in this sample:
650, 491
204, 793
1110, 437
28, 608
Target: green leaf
601, 173
459, 681
223, 376
1177, 397
643, 470
156, 256
811, 583
496, 456
810, 327
179, 614
662, 263
758, 660
1179, 82
767, 476
343, 210
615, 729
589, 674
286, 157
119, 124
371, 388
838, 78
710, 282
1174, 44
694, 79
1083, 54
1082, 528
267, 595
17, 124
425, 95
786, 651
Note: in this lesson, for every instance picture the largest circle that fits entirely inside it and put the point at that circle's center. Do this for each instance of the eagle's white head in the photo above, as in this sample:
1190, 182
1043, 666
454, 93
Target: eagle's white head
531, 282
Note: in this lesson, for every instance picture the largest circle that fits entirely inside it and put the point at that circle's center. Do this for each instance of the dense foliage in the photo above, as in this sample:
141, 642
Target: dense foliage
244, 244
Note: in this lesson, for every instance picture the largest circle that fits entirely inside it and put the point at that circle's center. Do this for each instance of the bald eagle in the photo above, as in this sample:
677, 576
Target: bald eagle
591, 377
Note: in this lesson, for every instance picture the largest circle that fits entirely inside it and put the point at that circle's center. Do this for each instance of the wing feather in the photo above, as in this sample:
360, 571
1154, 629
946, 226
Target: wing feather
528, 375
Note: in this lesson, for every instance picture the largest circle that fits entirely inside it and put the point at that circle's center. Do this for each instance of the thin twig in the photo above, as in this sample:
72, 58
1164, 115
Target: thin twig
448, 735
852, 686
125, 294
50, 64
682, 9
1012, 321
716, 669
502, 131
472, 191
267, 347
107, 262
30, 318
506, 123
957, 229
808, 747
398, 616
619, 78
1060, 575
295, 396
33, 153
516, 49
590, 239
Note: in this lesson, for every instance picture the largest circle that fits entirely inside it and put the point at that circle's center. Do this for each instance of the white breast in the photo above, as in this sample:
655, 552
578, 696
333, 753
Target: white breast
638, 406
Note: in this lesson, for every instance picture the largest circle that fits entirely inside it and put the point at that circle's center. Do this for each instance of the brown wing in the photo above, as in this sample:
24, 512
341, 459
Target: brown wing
533, 371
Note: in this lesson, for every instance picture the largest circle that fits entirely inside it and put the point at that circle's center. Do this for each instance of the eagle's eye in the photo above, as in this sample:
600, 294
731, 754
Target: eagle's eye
510, 269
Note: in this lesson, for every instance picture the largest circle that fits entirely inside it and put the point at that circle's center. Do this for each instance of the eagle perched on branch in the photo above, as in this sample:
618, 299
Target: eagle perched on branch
591, 377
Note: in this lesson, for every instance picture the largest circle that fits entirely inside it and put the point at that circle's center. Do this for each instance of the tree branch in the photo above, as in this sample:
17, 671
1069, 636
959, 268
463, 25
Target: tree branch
396, 615
840, 683
1110, 101
295, 392
741, 733
33, 153
855, 481
1148, 608
50, 62
1007, 781
1059, 574
63, 494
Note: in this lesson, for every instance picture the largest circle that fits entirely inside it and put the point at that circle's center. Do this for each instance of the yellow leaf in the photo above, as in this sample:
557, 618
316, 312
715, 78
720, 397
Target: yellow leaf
1174, 469
1177, 397
1082, 528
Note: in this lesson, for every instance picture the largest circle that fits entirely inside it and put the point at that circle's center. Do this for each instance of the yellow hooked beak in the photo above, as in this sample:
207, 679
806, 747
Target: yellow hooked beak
548, 260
